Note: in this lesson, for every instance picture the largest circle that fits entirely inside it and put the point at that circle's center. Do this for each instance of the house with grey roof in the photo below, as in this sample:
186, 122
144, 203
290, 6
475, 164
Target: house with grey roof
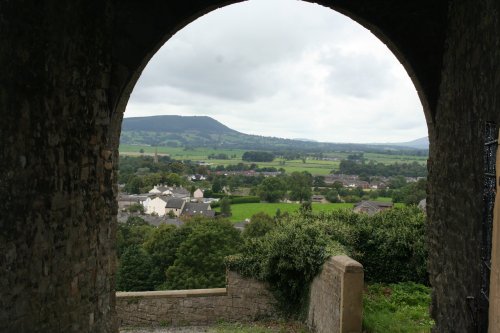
175, 206
194, 208
372, 207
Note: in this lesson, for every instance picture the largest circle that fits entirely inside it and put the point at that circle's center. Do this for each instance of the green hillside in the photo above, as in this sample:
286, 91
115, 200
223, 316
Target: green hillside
206, 132
175, 124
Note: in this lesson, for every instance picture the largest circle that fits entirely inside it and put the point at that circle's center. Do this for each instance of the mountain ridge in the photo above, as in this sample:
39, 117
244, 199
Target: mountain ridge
175, 124
203, 131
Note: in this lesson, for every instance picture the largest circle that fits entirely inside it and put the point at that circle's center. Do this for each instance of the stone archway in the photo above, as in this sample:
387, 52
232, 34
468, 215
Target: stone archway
66, 69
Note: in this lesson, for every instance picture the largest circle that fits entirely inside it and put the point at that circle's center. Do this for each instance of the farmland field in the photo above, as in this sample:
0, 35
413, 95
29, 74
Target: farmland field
315, 167
240, 212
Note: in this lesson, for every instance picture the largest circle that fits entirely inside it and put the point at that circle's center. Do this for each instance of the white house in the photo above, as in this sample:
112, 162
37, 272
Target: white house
155, 206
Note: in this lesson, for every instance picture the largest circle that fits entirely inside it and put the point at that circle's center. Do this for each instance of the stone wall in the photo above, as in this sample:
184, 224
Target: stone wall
242, 300
335, 303
336, 297
469, 94
57, 168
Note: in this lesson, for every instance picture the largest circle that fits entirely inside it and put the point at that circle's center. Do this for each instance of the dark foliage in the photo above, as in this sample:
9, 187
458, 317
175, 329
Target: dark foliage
257, 156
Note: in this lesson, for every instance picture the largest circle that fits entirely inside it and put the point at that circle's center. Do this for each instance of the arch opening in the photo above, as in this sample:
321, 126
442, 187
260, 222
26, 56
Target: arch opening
213, 91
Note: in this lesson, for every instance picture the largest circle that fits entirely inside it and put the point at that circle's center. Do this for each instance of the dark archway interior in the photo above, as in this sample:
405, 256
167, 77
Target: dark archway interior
68, 68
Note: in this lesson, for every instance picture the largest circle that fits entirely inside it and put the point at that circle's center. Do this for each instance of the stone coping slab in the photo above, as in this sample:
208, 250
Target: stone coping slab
346, 264
174, 293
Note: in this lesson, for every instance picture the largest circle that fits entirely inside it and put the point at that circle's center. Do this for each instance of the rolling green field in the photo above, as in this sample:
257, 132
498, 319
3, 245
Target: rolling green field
315, 167
240, 212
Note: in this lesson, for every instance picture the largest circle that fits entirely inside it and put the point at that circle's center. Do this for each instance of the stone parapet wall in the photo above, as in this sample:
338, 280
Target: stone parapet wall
243, 300
335, 303
336, 297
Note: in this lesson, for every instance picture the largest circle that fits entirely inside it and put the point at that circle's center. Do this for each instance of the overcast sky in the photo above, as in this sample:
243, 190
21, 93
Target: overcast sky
283, 68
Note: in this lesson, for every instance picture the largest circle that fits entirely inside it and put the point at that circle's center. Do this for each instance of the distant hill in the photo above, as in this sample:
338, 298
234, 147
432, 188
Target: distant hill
202, 131
175, 124
422, 143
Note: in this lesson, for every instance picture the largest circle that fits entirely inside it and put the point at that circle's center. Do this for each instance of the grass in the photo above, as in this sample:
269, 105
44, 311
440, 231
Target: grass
242, 211
397, 308
315, 167
260, 327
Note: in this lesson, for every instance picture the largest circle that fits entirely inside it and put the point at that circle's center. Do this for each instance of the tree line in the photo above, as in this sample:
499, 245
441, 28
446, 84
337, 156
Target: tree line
357, 167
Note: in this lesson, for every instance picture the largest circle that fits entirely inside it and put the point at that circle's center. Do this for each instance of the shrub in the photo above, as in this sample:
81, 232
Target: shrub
260, 224
391, 246
287, 257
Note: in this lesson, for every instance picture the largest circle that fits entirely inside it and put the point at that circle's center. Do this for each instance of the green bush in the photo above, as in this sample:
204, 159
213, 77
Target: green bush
391, 246
287, 257
260, 224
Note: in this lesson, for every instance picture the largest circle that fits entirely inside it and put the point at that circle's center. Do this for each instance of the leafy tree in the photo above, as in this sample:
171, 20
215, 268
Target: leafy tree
257, 156
397, 182
177, 167
151, 180
132, 233
134, 270
300, 186
332, 195
412, 193
200, 258
174, 179
218, 184
225, 207
135, 221
134, 185
162, 245
260, 224
319, 181
272, 189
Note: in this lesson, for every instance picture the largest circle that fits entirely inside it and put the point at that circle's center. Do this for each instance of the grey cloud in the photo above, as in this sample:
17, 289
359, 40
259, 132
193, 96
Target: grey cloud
358, 75
229, 53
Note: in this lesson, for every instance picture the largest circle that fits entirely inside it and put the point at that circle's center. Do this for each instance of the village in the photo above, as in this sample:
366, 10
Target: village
175, 204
